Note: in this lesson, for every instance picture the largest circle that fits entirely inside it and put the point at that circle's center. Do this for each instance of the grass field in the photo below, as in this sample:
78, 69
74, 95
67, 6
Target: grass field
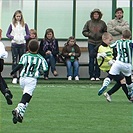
60, 106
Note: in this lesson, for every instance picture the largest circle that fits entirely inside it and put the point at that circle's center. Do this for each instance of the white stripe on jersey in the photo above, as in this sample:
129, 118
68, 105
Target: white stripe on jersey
123, 50
32, 65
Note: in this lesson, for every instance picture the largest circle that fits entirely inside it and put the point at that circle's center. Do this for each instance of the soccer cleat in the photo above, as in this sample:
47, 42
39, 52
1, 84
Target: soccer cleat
8, 98
108, 97
16, 117
100, 92
9, 92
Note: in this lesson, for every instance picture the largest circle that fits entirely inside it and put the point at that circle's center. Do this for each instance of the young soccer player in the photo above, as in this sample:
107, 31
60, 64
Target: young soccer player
3, 86
32, 65
105, 60
122, 63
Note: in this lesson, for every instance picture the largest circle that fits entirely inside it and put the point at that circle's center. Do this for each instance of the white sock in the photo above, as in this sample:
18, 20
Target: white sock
106, 81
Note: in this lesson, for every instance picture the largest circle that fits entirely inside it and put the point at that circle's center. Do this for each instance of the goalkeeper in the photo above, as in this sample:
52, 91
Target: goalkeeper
105, 61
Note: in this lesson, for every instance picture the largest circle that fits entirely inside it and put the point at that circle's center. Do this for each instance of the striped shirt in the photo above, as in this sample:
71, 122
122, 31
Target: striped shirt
123, 48
33, 65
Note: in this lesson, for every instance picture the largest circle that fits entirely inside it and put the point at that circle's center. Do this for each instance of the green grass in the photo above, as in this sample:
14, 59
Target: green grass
60, 106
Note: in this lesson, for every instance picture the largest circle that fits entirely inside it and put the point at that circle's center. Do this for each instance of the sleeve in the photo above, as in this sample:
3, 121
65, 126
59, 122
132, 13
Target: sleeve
40, 51
18, 67
111, 29
9, 32
27, 32
85, 31
122, 27
78, 52
113, 45
65, 52
3, 52
56, 51
44, 65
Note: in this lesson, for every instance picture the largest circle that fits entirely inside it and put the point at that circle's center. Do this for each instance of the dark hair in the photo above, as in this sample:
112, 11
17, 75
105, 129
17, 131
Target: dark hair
126, 34
119, 9
33, 45
48, 31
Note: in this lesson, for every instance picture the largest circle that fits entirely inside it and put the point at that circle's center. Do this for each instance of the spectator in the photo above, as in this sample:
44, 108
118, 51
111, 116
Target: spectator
18, 32
116, 26
94, 29
33, 35
71, 52
49, 50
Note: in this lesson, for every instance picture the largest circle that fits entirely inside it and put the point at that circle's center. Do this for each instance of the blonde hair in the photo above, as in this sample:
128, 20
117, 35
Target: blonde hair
14, 19
106, 35
33, 31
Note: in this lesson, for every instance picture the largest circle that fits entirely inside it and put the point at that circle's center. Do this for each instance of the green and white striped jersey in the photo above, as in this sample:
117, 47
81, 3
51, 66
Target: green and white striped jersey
123, 48
33, 64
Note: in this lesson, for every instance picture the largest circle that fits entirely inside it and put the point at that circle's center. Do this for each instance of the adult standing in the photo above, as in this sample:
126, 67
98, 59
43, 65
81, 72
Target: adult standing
117, 25
18, 32
94, 29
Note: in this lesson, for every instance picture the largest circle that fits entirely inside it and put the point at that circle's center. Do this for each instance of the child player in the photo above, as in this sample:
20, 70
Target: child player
32, 65
122, 63
105, 61
3, 86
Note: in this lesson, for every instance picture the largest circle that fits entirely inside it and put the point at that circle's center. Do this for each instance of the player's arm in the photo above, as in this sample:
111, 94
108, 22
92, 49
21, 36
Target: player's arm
18, 67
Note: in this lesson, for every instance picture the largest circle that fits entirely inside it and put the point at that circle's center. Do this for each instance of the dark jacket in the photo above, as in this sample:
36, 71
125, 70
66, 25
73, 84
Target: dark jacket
54, 50
94, 28
67, 49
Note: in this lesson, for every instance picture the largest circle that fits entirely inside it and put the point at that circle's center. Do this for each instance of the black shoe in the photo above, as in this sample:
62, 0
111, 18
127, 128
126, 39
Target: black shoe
16, 117
20, 118
9, 92
8, 98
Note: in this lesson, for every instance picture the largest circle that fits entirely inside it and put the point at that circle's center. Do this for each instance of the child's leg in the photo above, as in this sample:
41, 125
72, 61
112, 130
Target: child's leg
106, 82
129, 85
29, 85
5, 91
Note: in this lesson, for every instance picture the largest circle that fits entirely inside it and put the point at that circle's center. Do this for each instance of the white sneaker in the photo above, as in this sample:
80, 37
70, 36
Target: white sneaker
97, 79
14, 81
92, 79
76, 78
69, 78
108, 97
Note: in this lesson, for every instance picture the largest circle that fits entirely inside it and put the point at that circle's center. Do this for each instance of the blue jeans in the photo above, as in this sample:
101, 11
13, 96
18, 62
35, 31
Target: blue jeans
72, 68
51, 60
17, 51
94, 70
